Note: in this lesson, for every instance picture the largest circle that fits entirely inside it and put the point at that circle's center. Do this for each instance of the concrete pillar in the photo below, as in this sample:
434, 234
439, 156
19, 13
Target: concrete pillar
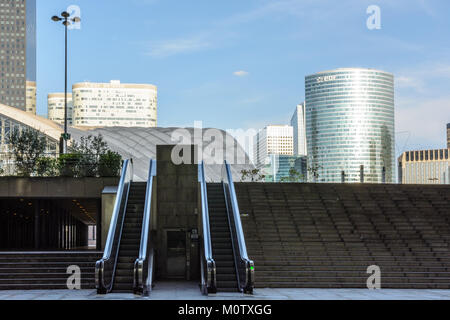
37, 231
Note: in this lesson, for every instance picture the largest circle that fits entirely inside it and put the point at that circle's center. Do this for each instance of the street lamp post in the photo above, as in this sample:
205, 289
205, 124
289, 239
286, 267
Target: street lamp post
66, 22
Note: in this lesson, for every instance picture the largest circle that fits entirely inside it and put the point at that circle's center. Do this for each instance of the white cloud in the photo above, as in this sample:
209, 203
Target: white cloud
177, 46
425, 121
241, 73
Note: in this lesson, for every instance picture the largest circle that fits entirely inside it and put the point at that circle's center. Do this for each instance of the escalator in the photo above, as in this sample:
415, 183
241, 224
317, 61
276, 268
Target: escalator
225, 266
127, 263
131, 239
222, 246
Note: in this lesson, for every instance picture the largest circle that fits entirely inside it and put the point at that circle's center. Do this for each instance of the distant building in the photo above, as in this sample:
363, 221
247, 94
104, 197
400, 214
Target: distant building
424, 167
298, 122
56, 106
17, 51
273, 140
350, 122
448, 135
31, 97
281, 168
114, 105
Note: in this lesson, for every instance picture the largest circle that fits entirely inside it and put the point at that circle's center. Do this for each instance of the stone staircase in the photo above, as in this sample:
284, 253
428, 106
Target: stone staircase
45, 270
327, 235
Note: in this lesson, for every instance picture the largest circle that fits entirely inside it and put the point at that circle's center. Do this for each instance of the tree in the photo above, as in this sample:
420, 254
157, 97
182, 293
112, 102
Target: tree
110, 164
314, 171
28, 146
254, 175
294, 176
91, 157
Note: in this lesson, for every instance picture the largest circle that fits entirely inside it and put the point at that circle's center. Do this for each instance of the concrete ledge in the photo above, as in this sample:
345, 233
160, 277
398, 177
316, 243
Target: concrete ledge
61, 187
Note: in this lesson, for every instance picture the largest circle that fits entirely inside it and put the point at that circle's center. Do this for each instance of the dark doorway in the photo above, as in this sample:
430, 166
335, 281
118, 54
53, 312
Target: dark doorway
47, 224
176, 254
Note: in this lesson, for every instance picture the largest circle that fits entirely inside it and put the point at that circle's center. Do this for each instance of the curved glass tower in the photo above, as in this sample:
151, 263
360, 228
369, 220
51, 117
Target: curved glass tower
350, 123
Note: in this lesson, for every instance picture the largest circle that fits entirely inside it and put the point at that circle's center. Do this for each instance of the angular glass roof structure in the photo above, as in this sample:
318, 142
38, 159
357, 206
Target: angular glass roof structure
140, 143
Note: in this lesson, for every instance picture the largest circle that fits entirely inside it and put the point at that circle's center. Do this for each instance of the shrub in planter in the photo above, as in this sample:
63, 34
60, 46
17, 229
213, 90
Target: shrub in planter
110, 164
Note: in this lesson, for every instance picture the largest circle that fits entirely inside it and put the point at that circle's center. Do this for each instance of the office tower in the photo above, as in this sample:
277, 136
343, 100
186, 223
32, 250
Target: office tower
31, 97
279, 168
350, 125
424, 167
114, 105
276, 140
56, 108
298, 122
17, 51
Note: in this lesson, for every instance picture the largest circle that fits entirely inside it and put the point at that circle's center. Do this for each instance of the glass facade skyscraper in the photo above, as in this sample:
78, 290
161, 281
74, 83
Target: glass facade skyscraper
350, 122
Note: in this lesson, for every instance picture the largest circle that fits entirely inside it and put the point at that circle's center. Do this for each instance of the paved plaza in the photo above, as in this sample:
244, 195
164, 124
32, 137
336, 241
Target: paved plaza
190, 291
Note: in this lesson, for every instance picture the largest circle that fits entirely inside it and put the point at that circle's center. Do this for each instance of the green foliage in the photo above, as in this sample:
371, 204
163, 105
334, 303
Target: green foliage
69, 165
47, 167
28, 146
91, 157
252, 175
110, 164
294, 176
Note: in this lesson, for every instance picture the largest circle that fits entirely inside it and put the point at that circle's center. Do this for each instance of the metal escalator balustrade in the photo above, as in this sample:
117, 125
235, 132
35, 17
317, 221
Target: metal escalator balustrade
144, 265
221, 238
130, 239
207, 263
245, 267
105, 268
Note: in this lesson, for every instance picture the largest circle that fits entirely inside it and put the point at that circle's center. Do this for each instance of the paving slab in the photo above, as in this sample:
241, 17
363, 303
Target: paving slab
190, 291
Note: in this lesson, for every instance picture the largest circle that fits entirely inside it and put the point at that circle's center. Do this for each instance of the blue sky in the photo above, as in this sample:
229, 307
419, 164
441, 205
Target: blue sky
241, 64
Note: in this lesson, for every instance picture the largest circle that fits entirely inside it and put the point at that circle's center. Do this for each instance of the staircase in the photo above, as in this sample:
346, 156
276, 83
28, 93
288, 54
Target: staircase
327, 235
221, 239
131, 238
45, 270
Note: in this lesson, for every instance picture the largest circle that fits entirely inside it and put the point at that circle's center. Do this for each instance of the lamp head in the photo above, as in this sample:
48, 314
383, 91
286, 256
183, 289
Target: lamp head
65, 14
56, 18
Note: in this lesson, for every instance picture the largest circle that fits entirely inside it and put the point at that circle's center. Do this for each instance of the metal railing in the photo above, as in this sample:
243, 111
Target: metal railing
106, 267
244, 266
144, 265
208, 265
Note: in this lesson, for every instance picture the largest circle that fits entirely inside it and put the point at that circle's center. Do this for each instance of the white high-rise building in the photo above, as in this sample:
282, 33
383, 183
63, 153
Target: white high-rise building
273, 140
350, 125
56, 106
298, 122
114, 105
31, 97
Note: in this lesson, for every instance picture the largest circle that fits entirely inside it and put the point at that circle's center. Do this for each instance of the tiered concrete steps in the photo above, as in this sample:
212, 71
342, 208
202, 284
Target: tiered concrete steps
327, 235
45, 270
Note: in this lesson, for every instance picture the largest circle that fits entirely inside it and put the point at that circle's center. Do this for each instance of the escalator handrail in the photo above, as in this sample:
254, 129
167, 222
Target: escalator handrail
115, 228
207, 244
142, 281
249, 264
